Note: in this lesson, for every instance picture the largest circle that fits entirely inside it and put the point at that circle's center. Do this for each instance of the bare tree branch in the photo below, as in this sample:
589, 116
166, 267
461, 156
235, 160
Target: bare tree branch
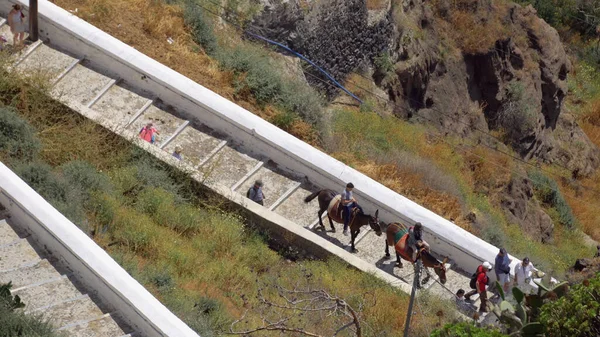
300, 304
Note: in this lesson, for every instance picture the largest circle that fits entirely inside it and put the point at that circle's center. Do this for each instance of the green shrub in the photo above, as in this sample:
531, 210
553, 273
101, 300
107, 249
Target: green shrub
577, 314
17, 137
464, 329
16, 323
205, 315
517, 118
284, 120
494, 235
161, 206
85, 177
68, 196
256, 74
201, 27
300, 99
548, 192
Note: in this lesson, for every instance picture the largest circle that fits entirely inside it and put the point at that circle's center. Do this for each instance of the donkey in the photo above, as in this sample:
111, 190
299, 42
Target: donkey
357, 219
397, 235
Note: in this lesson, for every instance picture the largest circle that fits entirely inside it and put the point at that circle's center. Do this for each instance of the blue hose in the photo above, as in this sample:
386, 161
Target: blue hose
309, 62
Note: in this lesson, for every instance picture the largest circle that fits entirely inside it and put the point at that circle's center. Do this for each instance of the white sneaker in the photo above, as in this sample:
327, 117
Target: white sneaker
346, 233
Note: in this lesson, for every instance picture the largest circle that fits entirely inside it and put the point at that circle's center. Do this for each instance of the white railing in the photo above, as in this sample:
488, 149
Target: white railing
89, 263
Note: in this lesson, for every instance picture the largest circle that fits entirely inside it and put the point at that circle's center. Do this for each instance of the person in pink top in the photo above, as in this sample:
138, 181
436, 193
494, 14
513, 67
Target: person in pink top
148, 133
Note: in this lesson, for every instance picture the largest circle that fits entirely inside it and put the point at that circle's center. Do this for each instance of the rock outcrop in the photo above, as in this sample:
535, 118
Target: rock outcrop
337, 35
467, 67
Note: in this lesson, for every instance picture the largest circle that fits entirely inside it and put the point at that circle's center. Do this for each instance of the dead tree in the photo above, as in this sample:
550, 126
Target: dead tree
289, 308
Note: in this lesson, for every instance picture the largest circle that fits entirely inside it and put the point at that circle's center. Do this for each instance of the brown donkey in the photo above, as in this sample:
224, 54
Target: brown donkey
397, 235
357, 219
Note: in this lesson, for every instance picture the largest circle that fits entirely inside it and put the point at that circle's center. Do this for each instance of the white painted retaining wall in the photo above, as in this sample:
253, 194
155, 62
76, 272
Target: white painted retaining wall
90, 263
196, 103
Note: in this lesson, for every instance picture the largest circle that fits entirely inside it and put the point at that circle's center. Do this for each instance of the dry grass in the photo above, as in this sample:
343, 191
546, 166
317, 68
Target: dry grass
412, 184
147, 24
474, 27
491, 171
377, 4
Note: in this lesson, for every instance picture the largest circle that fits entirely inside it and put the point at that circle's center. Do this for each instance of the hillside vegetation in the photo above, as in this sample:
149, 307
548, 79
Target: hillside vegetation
185, 245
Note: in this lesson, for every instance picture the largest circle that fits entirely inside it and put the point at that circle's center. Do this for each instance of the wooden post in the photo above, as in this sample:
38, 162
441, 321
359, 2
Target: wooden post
412, 297
33, 20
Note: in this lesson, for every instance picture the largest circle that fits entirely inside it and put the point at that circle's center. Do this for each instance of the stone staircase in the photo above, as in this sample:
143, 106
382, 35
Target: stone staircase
48, 291
212, 156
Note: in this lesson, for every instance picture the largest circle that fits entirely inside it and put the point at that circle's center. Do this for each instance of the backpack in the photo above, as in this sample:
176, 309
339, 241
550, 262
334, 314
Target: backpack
248, 193
473, 283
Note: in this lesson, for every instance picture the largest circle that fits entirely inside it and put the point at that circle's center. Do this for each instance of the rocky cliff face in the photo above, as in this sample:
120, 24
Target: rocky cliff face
337, 35
467, 67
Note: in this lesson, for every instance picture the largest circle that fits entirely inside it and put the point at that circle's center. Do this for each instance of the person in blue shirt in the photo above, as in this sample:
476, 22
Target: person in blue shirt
177, 153
255, 193
502, 269
348, 202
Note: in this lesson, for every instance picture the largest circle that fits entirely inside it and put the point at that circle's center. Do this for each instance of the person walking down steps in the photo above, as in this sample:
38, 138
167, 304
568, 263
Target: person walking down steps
177, 153
479, 283
148, 133
255, 193
16, 22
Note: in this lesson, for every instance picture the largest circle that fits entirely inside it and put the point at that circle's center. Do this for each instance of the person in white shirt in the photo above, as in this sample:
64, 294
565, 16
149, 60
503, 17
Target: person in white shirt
523, 275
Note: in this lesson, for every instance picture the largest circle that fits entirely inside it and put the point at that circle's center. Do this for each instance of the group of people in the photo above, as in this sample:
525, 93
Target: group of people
523, 274
16, 22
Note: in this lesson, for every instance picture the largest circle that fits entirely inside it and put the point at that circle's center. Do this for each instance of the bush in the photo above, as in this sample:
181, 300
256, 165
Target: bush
577, 314
200, 26
516, 117
17, 137
16, 323
160, 205
83, 176
549, 193
464, 329
68, 196
255, 74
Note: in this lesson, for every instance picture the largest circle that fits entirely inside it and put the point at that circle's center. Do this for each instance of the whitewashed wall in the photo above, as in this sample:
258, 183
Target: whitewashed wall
89, 263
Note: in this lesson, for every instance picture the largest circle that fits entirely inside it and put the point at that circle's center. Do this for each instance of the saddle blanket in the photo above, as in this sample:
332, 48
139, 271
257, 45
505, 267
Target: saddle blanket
334, 211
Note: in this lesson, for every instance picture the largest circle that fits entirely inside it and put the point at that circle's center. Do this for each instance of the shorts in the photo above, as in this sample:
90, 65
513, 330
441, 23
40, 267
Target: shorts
503, 278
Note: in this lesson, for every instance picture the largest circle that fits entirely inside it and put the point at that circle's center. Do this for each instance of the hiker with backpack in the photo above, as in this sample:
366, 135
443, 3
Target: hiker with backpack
478, 283
255, 193
148, 133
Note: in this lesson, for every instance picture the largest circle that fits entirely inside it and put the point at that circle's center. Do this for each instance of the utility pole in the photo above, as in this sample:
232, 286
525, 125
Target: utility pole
412, 297
33, 20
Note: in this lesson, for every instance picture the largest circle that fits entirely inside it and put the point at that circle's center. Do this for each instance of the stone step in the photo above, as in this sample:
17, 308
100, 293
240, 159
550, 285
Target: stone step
104, 326
25, 275
45, 62
294, 208
196, 144
69, 312
227, 167
7, 234
164, 120
47, 293
80, 86
118, 105
17, 254
276, 183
